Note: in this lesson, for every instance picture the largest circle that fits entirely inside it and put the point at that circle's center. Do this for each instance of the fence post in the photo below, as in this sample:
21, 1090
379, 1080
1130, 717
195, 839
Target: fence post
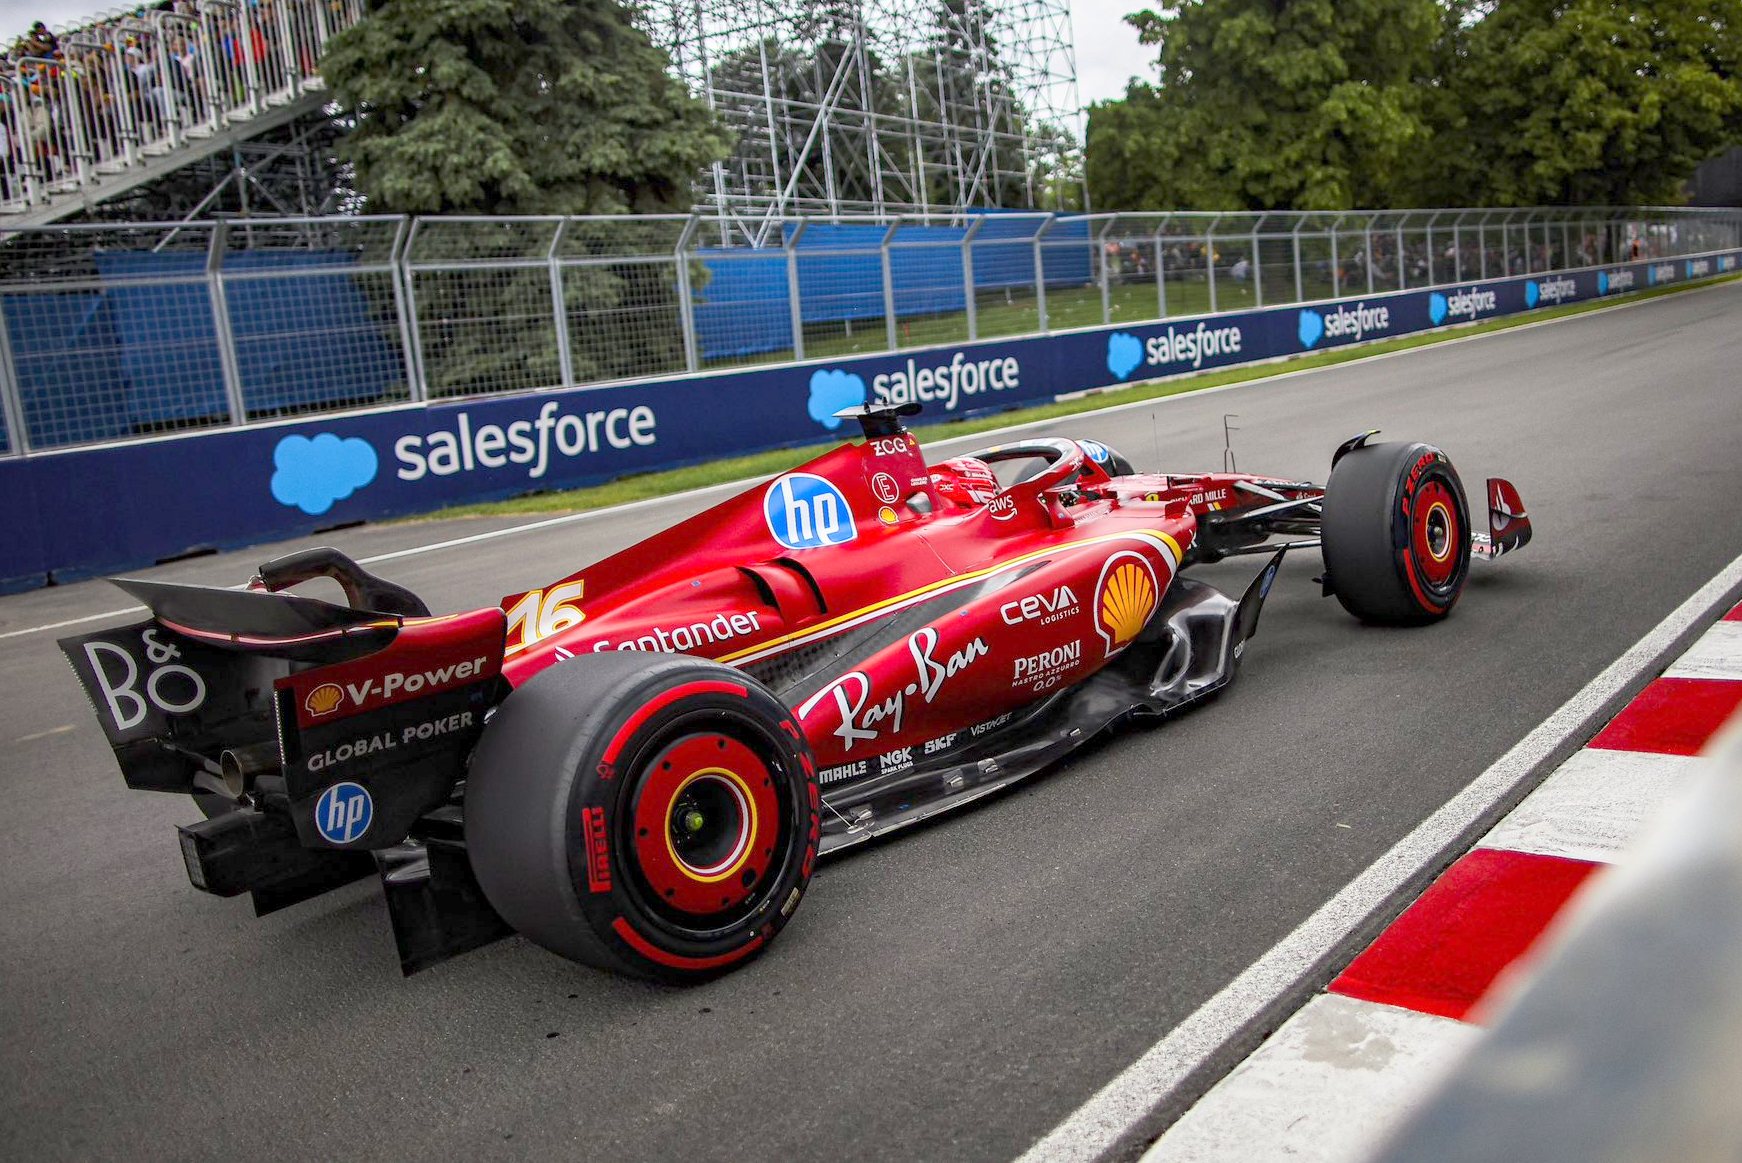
1040, 319
796, 307
1367, 251
220, 304
1161, 267
1294, 237
969, 298
686, 294
11, 400
1257, 265
414, 330
1100, 258
1336, 261
1210, 258
565, 359
1402, 266
393, 266
890, 322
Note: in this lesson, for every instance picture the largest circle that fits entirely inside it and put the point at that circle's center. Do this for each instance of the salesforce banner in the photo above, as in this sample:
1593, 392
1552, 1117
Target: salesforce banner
78, 513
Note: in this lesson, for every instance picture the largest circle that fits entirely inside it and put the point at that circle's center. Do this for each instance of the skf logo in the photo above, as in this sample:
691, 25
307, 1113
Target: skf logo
324, 699
1125, 597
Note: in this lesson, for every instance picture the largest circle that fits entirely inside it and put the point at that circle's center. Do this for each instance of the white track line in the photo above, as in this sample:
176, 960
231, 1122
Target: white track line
977, 437
1097, 1126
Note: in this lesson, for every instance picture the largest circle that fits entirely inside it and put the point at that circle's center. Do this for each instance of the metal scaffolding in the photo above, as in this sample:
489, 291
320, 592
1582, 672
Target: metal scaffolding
876, 107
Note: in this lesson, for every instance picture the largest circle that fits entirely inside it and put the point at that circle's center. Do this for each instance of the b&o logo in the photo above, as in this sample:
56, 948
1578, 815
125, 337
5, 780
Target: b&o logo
804, 511
343, 812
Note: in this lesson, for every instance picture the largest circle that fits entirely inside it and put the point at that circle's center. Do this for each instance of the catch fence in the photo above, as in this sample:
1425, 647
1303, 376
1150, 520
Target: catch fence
120, 332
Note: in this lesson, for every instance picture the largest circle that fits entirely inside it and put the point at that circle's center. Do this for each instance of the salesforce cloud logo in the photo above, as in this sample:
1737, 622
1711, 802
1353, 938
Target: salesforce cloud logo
1532, 293
312, 474
1124, 353
1312, 328
1602, 282
830, 392
1436, 308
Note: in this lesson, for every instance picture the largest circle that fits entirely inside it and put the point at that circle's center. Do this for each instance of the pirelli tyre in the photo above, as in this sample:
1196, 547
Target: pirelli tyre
1396, 533
652, 814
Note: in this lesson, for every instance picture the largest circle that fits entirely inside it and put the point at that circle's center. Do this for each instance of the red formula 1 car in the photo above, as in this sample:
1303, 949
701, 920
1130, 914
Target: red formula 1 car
638, 765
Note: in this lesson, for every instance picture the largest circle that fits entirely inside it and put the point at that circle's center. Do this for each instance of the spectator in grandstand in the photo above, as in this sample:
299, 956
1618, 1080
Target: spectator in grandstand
1241, 270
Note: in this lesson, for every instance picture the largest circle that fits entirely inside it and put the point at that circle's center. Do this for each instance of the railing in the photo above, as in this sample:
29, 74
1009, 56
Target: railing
143, 85
118, 332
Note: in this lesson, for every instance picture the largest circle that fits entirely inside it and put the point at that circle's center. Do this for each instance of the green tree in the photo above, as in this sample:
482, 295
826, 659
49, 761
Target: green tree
515, 107
1586, 101
522, 107
1263, 104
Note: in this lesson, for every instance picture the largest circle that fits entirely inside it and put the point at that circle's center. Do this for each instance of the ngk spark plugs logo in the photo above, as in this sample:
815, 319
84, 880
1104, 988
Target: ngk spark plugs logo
1343, 324
1125, 597
1465, 303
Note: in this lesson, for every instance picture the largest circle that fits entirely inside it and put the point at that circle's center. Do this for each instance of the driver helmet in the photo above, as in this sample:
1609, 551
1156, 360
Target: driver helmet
965, 480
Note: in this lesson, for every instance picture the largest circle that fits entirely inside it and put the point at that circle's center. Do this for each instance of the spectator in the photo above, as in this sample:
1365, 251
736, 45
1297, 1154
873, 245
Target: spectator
1241, 270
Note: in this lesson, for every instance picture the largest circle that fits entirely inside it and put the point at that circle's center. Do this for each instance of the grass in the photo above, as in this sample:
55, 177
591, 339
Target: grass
660, 484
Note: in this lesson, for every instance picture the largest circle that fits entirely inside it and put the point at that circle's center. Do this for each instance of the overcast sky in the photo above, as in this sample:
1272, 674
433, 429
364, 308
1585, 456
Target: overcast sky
1107, 48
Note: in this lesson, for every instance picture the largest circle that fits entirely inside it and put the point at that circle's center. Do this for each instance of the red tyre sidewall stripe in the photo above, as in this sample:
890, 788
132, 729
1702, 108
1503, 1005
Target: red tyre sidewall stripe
658, 703
659, 956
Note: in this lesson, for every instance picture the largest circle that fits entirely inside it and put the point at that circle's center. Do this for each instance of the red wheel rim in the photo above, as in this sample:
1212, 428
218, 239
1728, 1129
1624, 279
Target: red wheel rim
705, 816
1436, 540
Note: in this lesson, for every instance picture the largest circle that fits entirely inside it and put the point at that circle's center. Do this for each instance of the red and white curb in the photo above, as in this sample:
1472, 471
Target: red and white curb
1339, 1075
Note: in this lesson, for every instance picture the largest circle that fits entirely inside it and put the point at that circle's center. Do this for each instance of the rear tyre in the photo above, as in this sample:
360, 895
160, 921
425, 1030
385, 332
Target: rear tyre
1396, 533
655, 815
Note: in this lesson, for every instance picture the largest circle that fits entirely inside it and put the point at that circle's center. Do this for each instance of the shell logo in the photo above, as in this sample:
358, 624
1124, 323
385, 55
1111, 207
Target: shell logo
1125, 597
323, 700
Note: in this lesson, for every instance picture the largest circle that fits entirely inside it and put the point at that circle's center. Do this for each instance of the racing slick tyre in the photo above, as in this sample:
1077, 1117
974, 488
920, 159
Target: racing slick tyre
656, 815
1396, 533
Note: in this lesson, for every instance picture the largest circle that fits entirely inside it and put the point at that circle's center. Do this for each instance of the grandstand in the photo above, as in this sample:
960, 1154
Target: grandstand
870, 106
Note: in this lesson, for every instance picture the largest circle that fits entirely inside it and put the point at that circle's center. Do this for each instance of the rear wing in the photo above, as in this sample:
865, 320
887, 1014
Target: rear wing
355, 721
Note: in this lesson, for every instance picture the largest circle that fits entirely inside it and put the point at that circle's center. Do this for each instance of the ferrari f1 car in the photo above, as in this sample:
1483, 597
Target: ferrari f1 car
638, 765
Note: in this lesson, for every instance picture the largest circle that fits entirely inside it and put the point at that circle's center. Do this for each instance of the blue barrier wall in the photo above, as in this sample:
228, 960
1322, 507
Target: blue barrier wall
744, 306
76, 513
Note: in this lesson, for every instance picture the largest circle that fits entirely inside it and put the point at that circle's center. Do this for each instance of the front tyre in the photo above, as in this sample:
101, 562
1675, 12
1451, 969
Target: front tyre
655, 815
1396, 533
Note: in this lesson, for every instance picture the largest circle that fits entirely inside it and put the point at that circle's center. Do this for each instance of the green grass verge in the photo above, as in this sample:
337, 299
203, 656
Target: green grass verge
660, 484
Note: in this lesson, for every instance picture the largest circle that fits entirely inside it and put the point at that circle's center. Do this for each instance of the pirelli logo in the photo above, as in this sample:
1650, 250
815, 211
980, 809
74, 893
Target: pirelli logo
598, 849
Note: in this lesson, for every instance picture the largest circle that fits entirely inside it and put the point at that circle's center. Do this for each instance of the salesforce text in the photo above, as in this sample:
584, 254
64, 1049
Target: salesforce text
525, 442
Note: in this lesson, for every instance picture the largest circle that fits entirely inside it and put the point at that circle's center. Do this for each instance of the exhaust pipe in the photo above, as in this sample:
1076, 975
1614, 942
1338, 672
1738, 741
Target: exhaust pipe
239, 767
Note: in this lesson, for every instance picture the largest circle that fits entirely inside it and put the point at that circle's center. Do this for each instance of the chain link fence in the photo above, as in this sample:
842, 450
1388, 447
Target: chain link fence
116, 332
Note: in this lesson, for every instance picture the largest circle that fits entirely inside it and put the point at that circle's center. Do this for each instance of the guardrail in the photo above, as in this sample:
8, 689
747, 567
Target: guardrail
149, 82
119, 332
78, 511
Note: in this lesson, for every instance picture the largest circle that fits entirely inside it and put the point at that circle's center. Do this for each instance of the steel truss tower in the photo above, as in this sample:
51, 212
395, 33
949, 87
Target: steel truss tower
876, 106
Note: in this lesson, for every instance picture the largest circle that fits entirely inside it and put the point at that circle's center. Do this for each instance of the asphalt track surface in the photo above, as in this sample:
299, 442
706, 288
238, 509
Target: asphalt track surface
953, 992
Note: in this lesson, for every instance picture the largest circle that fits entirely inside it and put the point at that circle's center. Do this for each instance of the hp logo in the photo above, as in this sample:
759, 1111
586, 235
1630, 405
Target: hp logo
343, 812
806, 512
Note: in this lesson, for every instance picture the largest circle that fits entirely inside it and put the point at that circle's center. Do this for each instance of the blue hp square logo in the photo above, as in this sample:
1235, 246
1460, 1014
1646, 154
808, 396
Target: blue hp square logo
343, 812
807, 512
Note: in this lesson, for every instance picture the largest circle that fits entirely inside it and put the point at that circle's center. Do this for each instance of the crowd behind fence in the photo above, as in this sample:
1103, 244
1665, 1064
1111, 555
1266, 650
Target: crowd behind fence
79, 106
116, 332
